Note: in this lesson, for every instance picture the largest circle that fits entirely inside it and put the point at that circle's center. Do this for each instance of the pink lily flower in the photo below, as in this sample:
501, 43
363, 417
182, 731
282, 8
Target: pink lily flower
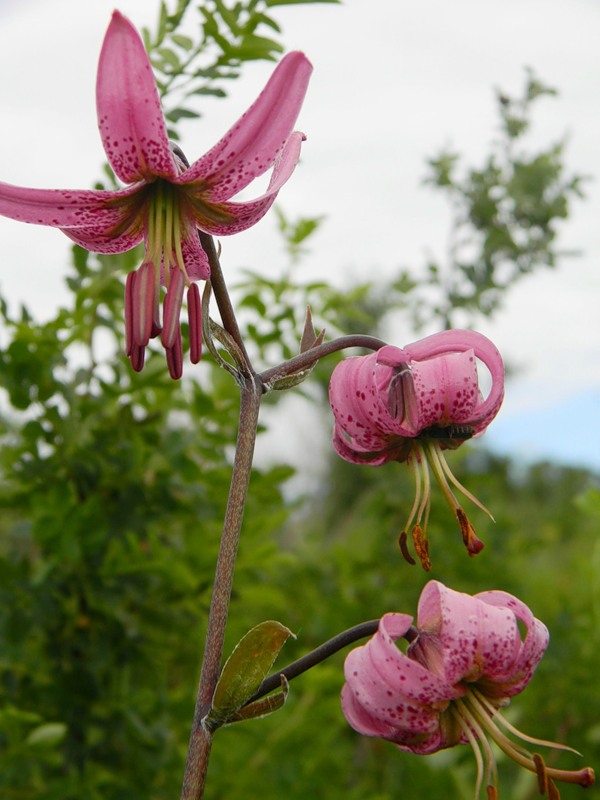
466, 658
165, 200
410, 404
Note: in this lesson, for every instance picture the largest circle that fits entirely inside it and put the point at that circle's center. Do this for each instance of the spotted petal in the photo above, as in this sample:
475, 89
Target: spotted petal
460, 341
239, 216
531, 650
390, 695
472, 639
130, 117
251, 146
102, 221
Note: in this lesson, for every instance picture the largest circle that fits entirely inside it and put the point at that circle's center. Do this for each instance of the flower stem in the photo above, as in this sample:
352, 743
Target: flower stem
321, 653
201, 739
309, 357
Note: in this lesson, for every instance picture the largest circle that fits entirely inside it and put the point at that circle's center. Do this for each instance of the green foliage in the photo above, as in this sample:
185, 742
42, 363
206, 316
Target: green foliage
243, 672
113, 486
228, 35
506, 215
348, 567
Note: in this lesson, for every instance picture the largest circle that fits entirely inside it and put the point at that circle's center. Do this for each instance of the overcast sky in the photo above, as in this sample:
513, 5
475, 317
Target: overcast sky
394, 81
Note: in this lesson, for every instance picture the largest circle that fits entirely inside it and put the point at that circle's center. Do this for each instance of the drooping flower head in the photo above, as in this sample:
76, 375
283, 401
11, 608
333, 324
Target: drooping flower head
165, 202
410, 404
466, 659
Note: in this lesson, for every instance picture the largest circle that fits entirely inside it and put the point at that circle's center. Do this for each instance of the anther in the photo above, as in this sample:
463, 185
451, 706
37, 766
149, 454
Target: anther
195, 322
402, 542
470, 539
422, 547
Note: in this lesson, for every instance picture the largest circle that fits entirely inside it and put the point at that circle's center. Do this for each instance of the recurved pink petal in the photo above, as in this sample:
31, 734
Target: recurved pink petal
130, 117
532, 648
396, 694
360, 719
250, 147
447, 388
473, 639
460, 341
355, 401
392, 449
233, 217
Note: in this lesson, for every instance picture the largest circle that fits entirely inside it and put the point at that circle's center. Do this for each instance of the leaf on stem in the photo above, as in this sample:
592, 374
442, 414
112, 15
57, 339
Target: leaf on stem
244, 671
264, 706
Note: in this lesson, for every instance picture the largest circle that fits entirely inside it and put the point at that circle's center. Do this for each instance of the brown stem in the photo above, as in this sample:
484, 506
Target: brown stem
201, 739
322, 652
306, 359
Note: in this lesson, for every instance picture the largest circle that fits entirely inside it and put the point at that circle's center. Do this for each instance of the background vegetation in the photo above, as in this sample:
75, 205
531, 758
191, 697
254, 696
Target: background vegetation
113, 487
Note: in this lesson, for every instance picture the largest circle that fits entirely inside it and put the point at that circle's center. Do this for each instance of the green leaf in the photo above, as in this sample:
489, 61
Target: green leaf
169, 57
183, 41
181, 113
264, 706
228, 17
245, 670
273, 3
48, 734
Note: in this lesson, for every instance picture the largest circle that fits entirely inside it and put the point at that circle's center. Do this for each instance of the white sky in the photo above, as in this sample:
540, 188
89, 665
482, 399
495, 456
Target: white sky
393, 82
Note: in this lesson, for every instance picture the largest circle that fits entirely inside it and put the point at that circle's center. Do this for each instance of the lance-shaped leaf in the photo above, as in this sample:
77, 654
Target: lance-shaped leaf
244, 671
310, 339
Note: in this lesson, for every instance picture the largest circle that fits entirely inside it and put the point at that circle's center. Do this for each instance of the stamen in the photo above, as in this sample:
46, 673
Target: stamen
426, 483
433, 458
553, 793
404, 548
172, 307
156, 326
143, 304
175, 357
137, 356
129, 312
416, 471
452, 478
442, 472
474, 722
421, 547
155, 227
582, 777
195, 323
168, 236
473, 741
497, 714
471, 541
178, 250
540, 769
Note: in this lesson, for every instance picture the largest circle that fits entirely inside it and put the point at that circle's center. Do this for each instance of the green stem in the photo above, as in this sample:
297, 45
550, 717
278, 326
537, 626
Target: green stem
201, 739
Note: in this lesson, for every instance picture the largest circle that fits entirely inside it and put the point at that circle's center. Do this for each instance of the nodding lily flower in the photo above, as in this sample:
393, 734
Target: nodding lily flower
465, 659
410, 404
165, 200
